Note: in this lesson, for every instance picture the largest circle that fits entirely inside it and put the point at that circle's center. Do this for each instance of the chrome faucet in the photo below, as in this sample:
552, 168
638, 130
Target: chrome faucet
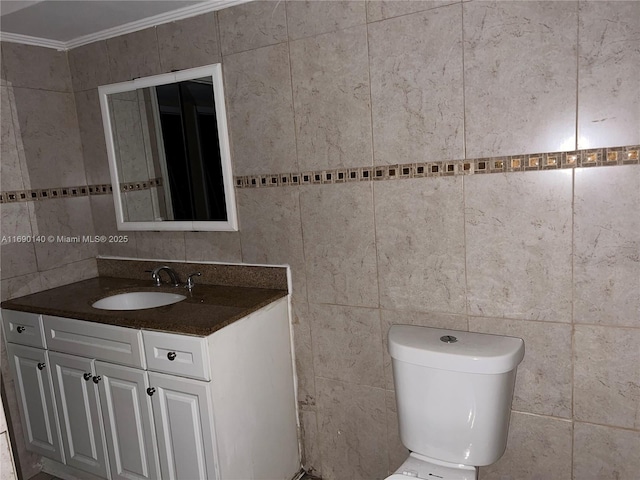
173, 276
189, 284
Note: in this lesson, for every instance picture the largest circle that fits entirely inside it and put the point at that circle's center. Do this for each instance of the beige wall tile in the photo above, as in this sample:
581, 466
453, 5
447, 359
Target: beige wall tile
609, 67
92, 138
63, 217
18, 259
10, 168
353, 431
45, 68
607, 246
19, 286
303, 348
161, 245
544, 378
339, 244
3, 76
17, 251
605, 452
395, 317
537, 448
189, 43
213, 246
417, 87
380, 10
607, 375
69, 273
398, 453
271, 230
89, 65
134, 55
311, 460
331, 99
252, 25
6, 457
418, 270
49, 132
520, 77
260, 110
308, 18
347, 344
104, 223
518, 237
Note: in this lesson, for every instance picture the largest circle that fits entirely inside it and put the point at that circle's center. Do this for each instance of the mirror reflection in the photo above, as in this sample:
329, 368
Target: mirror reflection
169, 154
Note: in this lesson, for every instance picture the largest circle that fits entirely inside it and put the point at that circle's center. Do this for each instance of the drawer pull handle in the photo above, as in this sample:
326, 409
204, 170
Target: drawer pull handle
151, 391
41, 365
96, 379
87, 376
171, 356
21, 329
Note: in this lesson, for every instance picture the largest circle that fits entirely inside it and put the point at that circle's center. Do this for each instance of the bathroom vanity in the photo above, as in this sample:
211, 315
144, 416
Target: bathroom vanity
200, 389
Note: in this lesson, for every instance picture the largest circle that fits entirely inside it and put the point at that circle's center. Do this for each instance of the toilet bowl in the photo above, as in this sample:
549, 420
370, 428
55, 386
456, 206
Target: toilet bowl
453, 393
418, 466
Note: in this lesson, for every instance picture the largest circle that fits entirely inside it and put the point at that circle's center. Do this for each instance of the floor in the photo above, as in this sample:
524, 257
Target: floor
46, 476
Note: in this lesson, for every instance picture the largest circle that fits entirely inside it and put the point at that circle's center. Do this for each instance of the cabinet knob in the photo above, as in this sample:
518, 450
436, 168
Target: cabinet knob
41, 365
151, 391
96, 379
87, 376
171, 356
20, 329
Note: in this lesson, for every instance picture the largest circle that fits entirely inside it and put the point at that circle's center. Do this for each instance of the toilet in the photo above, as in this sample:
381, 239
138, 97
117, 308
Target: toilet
453, 393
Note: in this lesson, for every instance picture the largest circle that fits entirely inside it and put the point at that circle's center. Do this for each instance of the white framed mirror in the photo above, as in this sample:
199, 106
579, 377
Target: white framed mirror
168, 149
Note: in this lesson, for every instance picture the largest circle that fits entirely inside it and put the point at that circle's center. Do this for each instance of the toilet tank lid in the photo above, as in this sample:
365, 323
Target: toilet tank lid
467, 352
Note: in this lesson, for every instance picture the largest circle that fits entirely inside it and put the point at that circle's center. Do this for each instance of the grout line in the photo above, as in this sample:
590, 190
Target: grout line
464, 92
304, 449
464, 240
577, 130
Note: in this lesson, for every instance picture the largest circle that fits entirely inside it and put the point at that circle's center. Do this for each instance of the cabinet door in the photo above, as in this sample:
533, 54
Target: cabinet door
128, 422
184, 426
30, 369
77, 401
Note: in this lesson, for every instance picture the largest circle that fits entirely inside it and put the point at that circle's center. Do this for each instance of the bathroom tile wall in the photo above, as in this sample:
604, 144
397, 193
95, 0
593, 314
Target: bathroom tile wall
550, 256
41, 150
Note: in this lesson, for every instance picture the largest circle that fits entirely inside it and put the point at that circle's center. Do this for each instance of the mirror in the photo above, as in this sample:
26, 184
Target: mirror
168, 151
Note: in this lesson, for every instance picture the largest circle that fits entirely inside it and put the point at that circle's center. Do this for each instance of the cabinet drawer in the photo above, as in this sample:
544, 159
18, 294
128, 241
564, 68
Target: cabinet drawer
177, 354
23, 328
94, 340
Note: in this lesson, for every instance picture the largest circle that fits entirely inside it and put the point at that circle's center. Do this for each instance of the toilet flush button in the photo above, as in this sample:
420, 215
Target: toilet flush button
410, 473
448, 339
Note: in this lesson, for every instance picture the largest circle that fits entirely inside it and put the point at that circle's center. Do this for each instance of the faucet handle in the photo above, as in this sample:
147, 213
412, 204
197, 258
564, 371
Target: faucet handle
190, 283
155, 277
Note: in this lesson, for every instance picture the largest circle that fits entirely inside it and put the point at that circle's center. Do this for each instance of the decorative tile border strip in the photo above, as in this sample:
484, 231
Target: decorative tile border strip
52, 193
627, 155
141, 185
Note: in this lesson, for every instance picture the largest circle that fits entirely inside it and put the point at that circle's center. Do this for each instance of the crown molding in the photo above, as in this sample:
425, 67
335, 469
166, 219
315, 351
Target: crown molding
180, 14
36, 41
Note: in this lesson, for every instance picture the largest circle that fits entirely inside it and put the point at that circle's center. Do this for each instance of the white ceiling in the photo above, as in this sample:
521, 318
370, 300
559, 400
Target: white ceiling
65, 24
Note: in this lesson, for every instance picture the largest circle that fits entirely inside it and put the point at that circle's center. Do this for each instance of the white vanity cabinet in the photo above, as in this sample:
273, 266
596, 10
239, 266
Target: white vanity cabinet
128, 422
79, 412
123, 403
182, 411
30, 368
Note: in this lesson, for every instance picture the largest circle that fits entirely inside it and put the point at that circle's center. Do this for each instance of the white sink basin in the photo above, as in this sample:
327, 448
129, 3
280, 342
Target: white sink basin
137, 300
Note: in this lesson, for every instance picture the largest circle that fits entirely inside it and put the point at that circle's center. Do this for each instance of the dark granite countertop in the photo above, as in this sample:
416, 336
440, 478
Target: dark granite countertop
206, 309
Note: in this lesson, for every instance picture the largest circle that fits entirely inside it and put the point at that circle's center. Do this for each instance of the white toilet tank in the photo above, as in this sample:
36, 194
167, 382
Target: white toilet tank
454, 391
